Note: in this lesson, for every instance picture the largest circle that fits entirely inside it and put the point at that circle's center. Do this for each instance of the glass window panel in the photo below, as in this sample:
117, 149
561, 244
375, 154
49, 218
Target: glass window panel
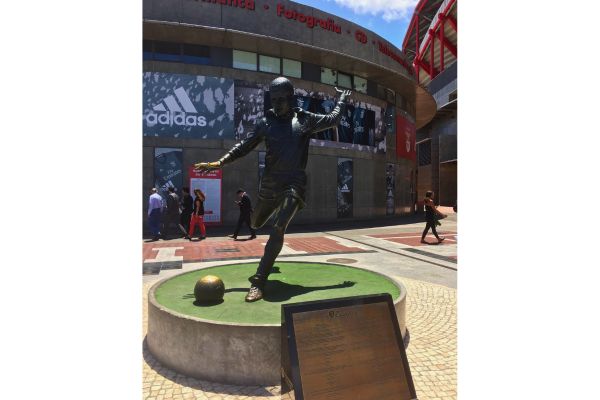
292, 68
167, 51
344, 80
147, 46
167, 48
244, 60
196, 50
195, 54
147, 50
196, 60
328, 76
424, 152
360, 84
269, 64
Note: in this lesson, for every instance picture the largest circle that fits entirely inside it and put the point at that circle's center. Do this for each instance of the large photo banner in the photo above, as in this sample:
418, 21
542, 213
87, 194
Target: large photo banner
325, 106
187, 106
344, 187
406, 136
361, 126
168, 170
390, 187
210, 184
379, 129
304, 102
249, 107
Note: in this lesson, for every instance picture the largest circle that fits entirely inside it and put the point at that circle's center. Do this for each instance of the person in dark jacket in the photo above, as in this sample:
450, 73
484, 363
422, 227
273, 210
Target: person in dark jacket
431, 216
245, 213
286, 132
198, 215
187, 207
171, 216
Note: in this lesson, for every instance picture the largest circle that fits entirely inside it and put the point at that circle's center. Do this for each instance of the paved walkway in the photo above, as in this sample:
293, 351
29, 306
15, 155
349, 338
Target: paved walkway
428, 272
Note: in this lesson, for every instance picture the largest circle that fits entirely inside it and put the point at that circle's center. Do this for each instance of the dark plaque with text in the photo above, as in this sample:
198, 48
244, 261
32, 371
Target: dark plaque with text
346, 348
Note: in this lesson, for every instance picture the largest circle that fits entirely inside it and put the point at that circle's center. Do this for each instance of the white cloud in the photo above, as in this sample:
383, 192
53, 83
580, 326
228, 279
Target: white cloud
390, 10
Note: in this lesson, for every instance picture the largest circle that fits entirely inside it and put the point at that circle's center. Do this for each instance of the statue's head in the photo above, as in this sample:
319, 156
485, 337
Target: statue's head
282, 96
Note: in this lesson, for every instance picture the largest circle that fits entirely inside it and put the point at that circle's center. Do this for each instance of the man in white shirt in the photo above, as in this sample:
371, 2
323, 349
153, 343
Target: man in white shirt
155, 207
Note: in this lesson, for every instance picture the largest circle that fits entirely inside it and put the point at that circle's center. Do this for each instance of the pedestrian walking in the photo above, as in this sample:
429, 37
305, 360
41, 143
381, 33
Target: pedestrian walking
155, 207
187, 207
171, 214
198, 215
245, 212
431, 215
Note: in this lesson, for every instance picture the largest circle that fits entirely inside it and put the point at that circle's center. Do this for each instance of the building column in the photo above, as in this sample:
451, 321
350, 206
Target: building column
435, 166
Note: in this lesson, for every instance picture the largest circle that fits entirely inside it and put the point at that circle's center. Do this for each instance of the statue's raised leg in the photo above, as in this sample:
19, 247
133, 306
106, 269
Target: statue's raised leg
284, 215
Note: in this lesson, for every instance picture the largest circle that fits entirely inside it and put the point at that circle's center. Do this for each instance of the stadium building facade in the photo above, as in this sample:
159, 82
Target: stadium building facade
206, 73
431, 46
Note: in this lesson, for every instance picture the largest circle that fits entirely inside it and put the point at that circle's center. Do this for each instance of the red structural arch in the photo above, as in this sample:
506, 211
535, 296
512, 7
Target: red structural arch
431, 38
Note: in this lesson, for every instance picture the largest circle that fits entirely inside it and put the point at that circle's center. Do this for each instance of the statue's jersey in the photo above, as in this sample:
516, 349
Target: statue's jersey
286, 141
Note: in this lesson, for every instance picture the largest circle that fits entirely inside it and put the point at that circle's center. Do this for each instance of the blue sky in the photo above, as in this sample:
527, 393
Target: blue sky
387, 18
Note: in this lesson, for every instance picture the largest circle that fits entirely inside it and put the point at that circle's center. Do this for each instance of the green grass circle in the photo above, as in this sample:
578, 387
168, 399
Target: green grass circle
290, 282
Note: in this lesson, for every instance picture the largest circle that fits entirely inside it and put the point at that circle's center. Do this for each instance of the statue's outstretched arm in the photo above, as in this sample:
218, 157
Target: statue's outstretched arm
238, 150
321, 122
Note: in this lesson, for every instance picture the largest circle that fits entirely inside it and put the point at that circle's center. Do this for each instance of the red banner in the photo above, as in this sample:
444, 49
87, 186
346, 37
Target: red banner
406, 135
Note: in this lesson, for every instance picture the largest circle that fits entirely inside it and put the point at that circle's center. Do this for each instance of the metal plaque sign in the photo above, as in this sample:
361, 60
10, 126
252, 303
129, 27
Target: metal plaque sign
347, 348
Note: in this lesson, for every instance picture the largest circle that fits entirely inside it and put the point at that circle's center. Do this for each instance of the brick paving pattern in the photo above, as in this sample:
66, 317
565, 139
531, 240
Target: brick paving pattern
208, 250
411, 241
431, 320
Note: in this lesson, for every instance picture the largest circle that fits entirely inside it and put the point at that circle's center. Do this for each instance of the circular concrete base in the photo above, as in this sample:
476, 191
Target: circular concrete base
230, 353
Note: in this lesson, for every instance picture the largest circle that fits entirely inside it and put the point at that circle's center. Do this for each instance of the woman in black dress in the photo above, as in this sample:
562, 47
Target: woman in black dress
431, 215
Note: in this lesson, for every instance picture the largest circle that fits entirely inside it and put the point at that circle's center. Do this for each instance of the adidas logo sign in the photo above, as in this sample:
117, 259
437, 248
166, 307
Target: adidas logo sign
173, 112
345, 188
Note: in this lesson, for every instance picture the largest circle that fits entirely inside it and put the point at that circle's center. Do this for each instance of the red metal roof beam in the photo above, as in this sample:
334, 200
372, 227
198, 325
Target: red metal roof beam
452, 22
414, 23
443, 44
449, 46
432, 71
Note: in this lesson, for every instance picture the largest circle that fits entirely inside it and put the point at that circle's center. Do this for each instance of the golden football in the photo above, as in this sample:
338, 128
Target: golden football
209, 289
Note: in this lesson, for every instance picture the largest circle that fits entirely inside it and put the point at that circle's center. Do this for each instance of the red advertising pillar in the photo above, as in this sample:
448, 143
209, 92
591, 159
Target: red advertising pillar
406, 136
210, 184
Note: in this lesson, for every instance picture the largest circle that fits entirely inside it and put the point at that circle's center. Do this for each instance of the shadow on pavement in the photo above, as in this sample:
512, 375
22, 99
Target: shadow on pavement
277, 291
